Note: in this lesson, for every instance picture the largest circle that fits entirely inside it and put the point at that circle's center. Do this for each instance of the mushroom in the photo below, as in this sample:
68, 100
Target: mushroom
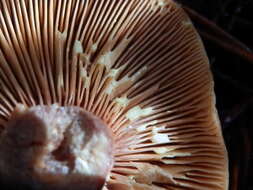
112, 94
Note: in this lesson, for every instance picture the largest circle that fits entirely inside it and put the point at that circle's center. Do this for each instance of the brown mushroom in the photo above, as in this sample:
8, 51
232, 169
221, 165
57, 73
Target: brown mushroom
130, 78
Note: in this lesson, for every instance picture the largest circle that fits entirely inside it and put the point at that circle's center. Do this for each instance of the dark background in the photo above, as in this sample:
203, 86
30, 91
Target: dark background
233, 77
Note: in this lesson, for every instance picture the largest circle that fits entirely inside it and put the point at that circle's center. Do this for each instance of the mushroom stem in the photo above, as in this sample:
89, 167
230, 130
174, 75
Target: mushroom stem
56, 147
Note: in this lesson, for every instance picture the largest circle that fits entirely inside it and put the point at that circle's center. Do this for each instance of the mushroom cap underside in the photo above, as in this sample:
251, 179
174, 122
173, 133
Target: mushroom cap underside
138, 65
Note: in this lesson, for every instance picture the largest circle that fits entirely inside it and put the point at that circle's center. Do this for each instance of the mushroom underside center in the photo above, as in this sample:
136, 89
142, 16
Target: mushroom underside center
58, 147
